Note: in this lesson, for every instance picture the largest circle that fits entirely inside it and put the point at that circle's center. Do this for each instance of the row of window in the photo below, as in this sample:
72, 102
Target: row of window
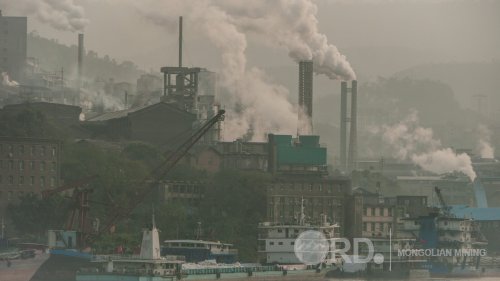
34, 150
377, 226
10, 194
283, 200
308, 187
186, 189
42, 165
377, 211
31, 180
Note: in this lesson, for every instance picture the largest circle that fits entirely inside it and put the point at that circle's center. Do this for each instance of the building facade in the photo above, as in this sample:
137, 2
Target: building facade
27, 166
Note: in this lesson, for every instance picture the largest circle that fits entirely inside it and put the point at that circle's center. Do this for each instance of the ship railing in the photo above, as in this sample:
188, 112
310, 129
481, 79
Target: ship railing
202, 271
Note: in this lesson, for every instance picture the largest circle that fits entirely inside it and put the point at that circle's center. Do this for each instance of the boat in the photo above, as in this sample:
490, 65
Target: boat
200, 250
152, 266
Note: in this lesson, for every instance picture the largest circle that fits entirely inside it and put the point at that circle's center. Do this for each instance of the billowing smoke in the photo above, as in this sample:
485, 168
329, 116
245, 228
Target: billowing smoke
60, 14
293, 25
91, 100
255, 105
486, 150
410, 141
6, 81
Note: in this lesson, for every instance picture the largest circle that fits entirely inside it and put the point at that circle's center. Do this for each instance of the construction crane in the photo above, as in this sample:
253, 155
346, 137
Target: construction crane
159, 173
80, 207
444, 206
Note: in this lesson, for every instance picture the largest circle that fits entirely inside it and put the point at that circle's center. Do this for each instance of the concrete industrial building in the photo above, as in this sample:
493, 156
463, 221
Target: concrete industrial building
27, 165
322, 196
13, 34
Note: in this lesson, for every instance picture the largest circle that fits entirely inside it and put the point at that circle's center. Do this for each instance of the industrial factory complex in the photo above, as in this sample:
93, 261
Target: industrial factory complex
370, 197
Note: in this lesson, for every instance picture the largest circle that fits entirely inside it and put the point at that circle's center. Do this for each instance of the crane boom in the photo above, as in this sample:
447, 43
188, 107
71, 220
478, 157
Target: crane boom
441, 200
159, 173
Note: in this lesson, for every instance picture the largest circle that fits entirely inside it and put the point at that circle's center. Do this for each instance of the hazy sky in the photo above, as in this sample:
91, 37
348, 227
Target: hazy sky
449, 30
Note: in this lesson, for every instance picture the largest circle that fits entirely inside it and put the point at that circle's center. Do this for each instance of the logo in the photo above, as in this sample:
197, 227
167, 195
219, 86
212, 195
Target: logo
312, 247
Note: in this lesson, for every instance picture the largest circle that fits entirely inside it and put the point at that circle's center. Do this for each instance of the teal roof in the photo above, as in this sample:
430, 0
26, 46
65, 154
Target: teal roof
480, 214
283, 140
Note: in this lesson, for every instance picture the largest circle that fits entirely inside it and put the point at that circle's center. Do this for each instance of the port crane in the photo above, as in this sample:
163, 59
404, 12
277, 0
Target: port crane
149, 183
77, 218
444, 206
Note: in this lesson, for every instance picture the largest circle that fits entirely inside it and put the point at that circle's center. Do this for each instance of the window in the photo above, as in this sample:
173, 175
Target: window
21, 165
42, 181
271, 243
42, 151
373, 226
280, 243
54, 151
21, 180
32, 165
365, 211
11, 164
11, 179
32, 180
365, 226
381, 226
1, 179
33, 150
292, 243
389, 210
9, 195
52, 181
42, 166
373, 212
21, 149
11, 148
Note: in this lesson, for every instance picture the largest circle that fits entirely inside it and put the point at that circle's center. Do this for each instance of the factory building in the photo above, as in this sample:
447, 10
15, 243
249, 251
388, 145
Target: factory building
160, 124
13, 34
301, 156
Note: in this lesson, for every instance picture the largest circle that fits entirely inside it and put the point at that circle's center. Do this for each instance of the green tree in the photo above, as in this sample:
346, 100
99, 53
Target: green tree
33, 215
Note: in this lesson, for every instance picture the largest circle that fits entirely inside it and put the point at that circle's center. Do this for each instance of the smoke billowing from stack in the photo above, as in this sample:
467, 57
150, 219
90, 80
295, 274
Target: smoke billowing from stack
305, 97
348, 160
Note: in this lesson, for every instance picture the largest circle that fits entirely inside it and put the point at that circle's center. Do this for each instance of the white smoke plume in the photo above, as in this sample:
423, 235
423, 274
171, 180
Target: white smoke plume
6, 81
60, 14
90, 100
254, 104
410, 141
486, 150
293, 25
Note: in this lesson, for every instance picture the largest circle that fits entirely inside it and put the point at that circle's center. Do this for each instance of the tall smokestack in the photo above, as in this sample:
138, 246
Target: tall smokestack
180, 41
343, 125
80, 61
353, 139
305, 97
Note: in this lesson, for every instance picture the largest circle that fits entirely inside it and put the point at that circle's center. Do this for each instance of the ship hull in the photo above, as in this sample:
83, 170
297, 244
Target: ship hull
61, 266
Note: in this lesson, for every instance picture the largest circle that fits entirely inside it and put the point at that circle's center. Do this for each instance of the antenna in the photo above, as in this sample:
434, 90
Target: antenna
302, 214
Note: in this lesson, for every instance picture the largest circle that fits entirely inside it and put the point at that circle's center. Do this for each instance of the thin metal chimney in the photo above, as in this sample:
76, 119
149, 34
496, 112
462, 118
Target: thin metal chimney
80, 61
353, 139
180, 41
343, 125
305, 97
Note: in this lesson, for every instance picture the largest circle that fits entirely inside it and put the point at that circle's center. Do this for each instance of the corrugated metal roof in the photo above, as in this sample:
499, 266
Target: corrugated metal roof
116, 114
480, 214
